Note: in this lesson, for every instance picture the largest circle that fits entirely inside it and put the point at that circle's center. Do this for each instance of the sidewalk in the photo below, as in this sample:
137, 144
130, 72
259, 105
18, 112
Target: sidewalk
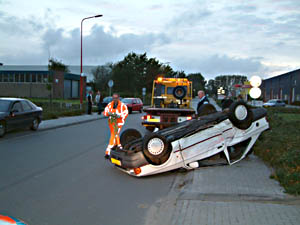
224, 195
68, 121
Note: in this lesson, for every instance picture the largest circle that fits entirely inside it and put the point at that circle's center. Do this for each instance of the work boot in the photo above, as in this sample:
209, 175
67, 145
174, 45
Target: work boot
119, 147
107, 153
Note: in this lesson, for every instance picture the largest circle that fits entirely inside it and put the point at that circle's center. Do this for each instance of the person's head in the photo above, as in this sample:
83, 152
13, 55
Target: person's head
201, 94
98, 92
91, 92
115, 97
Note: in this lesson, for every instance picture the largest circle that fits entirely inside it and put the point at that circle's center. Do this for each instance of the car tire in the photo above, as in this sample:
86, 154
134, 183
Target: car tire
141, 110
156, 149
129, 135
35, 124
240, 115
179, 92
129, 110
206, 109
2, 128
226, 103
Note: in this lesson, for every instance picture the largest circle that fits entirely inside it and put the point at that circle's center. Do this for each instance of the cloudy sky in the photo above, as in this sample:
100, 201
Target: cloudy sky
257, 37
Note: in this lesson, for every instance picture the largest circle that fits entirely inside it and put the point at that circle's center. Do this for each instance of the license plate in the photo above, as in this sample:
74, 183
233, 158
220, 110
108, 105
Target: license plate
115, 161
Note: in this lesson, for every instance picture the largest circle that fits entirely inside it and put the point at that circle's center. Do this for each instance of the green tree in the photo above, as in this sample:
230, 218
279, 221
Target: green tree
136, 71
55, 65
198, 82
102, 74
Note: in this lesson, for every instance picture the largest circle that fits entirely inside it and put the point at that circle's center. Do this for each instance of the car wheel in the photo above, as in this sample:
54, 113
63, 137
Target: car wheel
226, 103
206, 109
141, 110
129, 110
240, 115
156, 149
2, 128
129, 135
35, 124
179, 92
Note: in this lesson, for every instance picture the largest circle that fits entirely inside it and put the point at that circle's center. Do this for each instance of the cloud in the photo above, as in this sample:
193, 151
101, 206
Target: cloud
213, 65
40, 40
243, 8
13, 25
191, 16
156, 7
99, 46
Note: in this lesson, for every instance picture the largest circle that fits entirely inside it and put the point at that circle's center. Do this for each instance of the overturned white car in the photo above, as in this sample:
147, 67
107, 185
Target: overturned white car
220, 137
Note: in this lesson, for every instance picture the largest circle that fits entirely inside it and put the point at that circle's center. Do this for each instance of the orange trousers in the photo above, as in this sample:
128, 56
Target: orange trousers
114, 138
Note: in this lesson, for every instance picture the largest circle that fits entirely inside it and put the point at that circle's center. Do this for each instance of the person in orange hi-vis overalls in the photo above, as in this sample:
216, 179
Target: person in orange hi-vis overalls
117, 112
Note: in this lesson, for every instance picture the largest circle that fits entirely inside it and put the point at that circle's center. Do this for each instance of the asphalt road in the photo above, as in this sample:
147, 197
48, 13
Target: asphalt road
60, 177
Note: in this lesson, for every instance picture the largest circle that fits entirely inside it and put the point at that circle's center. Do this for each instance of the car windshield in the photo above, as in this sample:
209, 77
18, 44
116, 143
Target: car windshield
4, 105
127, 100
272, 101
107, 99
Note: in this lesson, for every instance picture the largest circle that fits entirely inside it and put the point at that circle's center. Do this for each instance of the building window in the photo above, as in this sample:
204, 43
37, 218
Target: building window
11, 77
1, 77
286, 97
5, 77
33, 78
27, 79
39, 78
45, 78
17, 78
298, 97
22, 78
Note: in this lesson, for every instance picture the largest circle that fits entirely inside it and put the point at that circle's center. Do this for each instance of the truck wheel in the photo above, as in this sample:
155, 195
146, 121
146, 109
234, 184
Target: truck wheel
240, 115
179, 92
156, 149
129, 135
2, 128
206, 109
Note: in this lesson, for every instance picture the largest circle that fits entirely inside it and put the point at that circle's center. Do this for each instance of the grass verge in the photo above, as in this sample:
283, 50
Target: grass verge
280, 147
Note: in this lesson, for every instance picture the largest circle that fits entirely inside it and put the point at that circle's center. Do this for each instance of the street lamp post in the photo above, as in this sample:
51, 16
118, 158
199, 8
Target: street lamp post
81, 74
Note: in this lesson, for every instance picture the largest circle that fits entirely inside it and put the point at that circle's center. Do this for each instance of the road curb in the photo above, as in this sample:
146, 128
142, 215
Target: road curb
70, 124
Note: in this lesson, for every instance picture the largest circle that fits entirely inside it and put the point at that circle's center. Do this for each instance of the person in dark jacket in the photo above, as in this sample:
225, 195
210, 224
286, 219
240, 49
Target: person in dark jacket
89, 99
203, 99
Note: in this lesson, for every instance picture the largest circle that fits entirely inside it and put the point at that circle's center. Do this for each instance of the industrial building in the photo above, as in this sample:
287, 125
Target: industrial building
285, 86
40, 84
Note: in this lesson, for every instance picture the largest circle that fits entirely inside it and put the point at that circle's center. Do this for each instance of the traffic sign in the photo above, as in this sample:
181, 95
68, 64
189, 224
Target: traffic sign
110, 83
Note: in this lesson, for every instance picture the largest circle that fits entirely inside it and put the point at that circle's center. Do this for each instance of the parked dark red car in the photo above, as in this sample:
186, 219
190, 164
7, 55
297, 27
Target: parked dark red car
133, 104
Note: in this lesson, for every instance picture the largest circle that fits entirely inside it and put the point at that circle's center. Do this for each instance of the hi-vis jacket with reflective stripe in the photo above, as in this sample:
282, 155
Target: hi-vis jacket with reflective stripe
121, 110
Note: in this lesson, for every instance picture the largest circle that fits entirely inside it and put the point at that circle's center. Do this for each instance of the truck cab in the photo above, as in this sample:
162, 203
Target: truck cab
171, 103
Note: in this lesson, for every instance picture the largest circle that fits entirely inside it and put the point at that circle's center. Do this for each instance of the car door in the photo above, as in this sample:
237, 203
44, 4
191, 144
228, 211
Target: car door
28, 114
140, 103
16, 117
134, 105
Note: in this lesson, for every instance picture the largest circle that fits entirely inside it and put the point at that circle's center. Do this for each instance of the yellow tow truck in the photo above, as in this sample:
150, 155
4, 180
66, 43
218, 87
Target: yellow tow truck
171, 103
